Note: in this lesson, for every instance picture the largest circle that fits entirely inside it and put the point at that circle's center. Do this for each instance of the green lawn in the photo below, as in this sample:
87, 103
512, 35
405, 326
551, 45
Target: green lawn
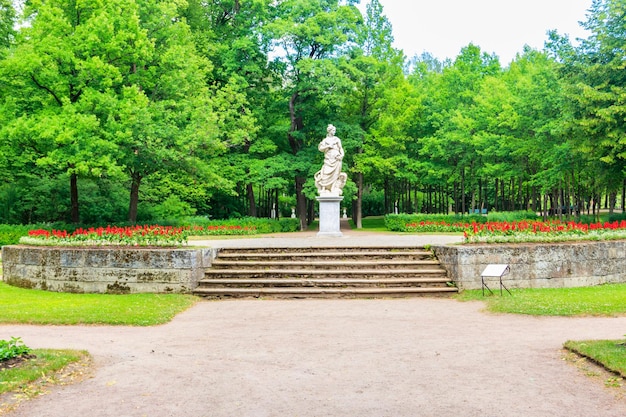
372, 224
19, 305
610, 353
601, 300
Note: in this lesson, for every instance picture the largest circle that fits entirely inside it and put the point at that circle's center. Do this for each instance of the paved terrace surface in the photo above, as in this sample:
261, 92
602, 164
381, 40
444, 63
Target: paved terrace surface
350, 238
365, 358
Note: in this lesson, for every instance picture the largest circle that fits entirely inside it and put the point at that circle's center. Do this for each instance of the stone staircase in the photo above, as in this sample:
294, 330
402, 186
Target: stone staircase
325, 272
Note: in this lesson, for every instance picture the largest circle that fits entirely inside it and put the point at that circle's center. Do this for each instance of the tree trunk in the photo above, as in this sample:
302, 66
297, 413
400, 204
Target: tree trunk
624, 196
251, 202
357, 211
495, 199
463, 209
75, 214
301, 208
134, 198
612, 201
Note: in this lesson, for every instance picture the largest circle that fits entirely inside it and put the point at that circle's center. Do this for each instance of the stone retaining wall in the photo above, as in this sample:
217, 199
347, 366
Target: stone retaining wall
571, 264
105, 270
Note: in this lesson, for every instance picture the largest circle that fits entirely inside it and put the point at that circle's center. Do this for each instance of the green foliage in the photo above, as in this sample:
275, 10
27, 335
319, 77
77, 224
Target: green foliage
259, 224
148, 110
602, 300
399, 222
511, 216
10, 234
373, 203
616, 217
12, 348
19, 305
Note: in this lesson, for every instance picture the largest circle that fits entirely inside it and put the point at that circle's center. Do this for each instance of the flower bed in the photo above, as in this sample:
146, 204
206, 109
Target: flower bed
524, 230
153, 235
537, 231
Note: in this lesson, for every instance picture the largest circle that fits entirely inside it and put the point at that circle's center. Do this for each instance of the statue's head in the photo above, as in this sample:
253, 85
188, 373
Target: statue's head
331, 130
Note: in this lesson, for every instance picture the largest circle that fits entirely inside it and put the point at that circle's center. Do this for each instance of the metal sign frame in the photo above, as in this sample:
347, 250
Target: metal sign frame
495, 271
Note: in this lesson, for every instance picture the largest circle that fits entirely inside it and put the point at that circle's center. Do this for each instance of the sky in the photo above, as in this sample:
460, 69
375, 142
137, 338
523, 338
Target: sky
503, 27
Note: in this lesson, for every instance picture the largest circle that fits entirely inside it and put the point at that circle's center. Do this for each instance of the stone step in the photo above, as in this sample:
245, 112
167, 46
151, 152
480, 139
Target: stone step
306, 292
324, 254
318, 282
323, 273
323, 264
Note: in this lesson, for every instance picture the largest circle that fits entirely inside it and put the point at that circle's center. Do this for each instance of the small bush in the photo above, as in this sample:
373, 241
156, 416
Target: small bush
402, 222
10, 234
616, 217
512, 216
261, 225
12, 348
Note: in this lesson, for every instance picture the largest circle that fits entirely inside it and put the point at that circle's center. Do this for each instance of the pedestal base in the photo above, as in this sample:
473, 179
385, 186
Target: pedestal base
329, 216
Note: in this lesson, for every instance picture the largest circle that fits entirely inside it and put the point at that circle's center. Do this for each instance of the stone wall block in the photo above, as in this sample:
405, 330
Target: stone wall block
26, 257
538, 265
105, 270
71, 258
185, 259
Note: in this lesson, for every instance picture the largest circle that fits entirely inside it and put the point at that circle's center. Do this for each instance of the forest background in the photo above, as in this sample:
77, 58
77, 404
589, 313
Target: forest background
142, 110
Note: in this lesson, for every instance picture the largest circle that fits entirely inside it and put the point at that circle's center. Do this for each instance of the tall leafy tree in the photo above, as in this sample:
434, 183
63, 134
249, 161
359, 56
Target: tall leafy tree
598, 88
232, 35
69, 56
307, 34
375, 69
7, 24
105, 87
453, 142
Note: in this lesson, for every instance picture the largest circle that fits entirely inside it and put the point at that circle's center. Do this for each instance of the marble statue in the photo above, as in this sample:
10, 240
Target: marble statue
330, 180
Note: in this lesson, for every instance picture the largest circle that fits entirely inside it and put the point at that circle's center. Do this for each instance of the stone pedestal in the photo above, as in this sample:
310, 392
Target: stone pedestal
329, 216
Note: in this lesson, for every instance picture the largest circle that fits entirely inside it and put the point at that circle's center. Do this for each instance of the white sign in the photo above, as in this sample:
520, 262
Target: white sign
495, 270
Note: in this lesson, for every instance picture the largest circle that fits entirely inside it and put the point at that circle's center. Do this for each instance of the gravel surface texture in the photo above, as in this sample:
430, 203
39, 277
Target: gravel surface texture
389, 357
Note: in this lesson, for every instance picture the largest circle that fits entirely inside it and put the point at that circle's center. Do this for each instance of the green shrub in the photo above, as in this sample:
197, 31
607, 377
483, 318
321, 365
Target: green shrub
12, 348
10, 234
261, 225
373, 203
512, 216
399, 222
616, 217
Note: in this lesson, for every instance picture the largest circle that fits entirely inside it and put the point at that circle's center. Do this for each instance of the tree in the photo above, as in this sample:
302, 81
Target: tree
375, 69
106, 87
598, 88
232, 35
307, 32
7, 24
452, 143
63, 64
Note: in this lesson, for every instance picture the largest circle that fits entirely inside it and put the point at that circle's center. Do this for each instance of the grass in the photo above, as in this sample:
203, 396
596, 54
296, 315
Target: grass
24, 306
602, 300
32, 377
44, 365
609, 353
372, 224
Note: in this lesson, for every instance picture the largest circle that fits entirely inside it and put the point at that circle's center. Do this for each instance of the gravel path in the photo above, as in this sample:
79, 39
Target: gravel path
389, 357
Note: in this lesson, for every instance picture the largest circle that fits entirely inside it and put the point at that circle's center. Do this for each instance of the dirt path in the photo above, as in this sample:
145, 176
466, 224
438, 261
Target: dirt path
405, 357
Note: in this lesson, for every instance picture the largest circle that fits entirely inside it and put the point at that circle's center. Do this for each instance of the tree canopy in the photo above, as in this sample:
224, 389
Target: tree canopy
142, 110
